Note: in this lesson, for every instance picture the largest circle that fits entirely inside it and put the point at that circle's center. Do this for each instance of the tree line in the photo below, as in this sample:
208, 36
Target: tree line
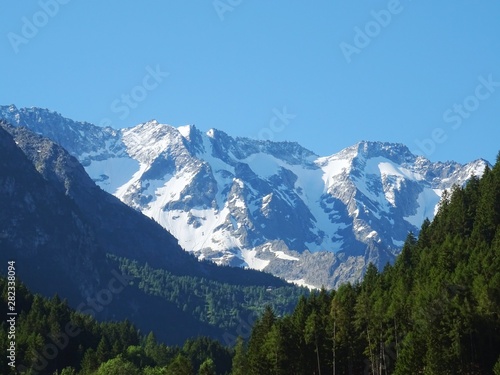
435, 311
45, 344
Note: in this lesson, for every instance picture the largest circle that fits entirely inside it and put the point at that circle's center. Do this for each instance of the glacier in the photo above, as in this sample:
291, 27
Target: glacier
272, 206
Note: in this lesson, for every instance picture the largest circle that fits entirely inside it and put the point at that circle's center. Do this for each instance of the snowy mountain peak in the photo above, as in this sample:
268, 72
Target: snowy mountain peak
267, 205
477, 167
191, 133
395, 152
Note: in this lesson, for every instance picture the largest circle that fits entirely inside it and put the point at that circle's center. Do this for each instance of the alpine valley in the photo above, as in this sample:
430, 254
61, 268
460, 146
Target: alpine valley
271, 206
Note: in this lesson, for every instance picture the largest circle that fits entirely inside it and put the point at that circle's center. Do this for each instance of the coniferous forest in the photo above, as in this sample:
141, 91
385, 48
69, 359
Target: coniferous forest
435, 311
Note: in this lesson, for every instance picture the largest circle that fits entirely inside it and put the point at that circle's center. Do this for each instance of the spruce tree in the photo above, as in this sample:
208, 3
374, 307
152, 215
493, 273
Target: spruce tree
240, 360
207, 367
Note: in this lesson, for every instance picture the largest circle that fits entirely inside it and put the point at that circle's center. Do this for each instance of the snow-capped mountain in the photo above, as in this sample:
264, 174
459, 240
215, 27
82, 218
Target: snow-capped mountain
272, 206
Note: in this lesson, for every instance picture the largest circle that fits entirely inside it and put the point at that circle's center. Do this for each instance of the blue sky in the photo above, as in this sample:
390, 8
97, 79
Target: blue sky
325, 73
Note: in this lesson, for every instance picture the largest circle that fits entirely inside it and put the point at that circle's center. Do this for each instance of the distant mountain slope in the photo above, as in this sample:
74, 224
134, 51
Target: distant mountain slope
69, 236
435, 311
264, 205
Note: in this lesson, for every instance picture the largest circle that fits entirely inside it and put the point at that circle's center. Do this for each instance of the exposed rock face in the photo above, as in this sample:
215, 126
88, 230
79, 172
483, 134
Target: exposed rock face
65, 233
265, 205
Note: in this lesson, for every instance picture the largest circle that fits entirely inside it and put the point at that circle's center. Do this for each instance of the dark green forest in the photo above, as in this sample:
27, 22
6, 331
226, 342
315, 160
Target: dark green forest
435, 311
218, 304
51, 338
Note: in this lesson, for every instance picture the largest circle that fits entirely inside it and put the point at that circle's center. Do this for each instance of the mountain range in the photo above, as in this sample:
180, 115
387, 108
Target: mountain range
272, 206
69, 237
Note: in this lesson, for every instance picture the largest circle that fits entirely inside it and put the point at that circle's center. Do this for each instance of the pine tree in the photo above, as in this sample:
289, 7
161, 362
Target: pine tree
299, 318
117, 366
344, 332
103, 350
180, 366
365, 319
207, 367
411, 355
258, 364
312, 334
89, 362
276, 349
240, 360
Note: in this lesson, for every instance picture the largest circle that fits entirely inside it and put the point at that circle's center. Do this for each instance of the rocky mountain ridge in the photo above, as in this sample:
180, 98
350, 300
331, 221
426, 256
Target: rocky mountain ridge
272, 206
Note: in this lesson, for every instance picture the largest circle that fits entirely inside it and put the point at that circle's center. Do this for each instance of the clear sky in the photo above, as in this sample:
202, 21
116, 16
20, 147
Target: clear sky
325, 73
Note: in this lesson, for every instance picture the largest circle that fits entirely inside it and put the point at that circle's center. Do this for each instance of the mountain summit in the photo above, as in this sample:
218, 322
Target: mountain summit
272, 206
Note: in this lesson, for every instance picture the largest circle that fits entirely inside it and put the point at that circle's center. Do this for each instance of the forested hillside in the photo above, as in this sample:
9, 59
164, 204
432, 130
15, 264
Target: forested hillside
51, 338
435, 311
66, 236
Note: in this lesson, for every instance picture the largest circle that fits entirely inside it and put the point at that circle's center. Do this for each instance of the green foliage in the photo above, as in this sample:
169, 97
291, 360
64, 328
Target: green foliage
219, 304
257, 355
155, 371
240, 360
51, 338
436, 311
198, 350
68, 371
277, 347
180, 366
496, 369
207, 367
118, 366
